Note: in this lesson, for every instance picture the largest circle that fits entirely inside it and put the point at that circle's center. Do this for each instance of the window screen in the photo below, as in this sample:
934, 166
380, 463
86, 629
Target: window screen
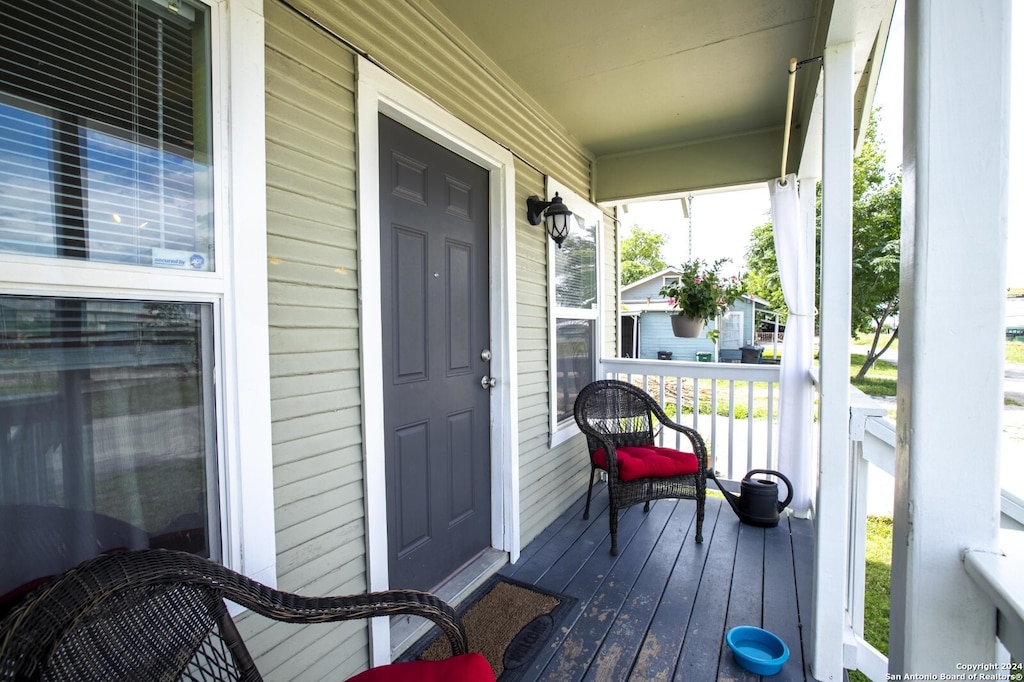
105, 150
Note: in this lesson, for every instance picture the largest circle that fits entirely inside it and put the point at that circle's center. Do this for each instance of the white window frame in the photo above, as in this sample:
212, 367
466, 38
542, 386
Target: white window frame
561, 432
237, 289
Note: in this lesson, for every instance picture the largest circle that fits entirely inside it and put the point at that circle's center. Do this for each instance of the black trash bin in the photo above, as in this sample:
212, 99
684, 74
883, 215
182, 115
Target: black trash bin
751, 354
664, 355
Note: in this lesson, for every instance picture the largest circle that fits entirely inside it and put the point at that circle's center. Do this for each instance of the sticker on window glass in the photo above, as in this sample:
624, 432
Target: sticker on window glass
182, 260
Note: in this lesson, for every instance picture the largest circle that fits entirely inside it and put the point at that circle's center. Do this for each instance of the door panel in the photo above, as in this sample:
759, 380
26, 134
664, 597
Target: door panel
436, 321
732, 330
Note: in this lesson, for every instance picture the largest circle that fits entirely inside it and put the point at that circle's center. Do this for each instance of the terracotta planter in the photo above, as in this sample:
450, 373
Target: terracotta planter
687, 327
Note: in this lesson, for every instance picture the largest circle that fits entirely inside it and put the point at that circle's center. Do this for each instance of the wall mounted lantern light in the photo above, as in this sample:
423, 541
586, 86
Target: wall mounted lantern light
554, 213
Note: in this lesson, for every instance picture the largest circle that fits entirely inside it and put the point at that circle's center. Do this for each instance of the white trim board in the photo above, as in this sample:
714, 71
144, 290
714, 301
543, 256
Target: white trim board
379, 92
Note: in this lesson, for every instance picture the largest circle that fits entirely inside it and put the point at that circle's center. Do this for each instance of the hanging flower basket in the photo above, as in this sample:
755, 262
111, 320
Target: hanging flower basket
687, 327
700, 294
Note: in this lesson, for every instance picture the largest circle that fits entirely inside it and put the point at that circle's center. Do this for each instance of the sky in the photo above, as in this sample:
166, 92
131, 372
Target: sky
720, 223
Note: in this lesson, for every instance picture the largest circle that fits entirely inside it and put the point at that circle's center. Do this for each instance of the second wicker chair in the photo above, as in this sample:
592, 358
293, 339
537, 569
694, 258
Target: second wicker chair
620, 418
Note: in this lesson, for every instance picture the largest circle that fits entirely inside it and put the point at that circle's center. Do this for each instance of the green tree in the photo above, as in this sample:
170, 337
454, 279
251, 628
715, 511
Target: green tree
762, 277
642, 255
877, 199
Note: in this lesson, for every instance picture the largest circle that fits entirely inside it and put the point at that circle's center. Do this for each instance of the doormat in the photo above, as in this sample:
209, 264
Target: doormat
507, 621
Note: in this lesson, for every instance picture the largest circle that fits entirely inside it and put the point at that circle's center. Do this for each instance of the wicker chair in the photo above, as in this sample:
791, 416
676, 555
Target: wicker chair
619, 417
160, 615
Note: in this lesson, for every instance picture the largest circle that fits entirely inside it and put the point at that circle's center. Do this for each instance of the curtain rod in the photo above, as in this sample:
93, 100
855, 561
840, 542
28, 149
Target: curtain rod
793, 66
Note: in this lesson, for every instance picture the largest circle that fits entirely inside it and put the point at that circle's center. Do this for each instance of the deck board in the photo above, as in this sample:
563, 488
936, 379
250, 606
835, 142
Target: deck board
626, 636
660, 609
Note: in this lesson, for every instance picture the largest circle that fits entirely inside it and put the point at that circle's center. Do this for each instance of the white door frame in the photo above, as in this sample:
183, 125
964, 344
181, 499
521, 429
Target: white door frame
379, 92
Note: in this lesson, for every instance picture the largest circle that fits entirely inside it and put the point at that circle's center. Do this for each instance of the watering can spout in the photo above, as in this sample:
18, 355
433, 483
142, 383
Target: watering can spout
732, 499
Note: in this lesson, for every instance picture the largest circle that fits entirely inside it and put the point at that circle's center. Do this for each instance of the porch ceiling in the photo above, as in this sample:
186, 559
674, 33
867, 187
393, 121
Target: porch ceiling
648, 86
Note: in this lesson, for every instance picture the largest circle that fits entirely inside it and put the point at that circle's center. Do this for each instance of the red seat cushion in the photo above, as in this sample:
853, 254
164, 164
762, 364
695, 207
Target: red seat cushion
464, 668
650, 461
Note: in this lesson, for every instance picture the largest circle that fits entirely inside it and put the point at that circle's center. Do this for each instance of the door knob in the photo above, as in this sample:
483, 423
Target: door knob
488, 382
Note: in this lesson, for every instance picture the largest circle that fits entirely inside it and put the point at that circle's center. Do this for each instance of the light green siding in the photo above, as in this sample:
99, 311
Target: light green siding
422, 48
314, 346
313, 295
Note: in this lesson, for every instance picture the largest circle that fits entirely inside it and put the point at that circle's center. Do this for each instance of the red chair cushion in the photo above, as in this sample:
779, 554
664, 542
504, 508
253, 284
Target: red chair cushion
465, 668
649, 461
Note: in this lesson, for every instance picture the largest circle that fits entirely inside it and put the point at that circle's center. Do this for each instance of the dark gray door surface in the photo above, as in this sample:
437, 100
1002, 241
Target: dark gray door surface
434, 257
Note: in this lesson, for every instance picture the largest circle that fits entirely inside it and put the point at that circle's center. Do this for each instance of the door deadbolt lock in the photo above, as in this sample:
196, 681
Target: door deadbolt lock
488, 382
485, 355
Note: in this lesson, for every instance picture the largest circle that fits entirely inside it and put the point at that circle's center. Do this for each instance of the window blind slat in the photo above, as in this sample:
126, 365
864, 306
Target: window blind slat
97, 130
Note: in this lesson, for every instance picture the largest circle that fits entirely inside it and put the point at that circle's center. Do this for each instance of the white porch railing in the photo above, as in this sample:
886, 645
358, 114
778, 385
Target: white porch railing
736, 444
708, 396
873, 444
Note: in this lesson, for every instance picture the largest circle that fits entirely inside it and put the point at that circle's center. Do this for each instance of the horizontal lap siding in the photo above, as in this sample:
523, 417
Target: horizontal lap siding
422, 48
313, 295
550, 480
314, 345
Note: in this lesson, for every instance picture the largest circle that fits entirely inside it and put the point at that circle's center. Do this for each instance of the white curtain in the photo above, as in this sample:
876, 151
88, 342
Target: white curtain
794, 249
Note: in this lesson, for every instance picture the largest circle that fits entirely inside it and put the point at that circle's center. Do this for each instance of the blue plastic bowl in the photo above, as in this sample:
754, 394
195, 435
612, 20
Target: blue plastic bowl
757, 650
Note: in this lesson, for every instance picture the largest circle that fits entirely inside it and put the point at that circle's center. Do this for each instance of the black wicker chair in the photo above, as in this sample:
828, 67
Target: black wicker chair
620, 418
160, 615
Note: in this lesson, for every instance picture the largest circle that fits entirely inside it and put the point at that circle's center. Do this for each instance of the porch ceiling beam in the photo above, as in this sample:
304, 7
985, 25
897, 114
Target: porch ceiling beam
721, 162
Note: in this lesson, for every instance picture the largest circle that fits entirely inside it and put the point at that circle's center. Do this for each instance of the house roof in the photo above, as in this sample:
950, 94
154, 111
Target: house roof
692, 94
662, 306
647, 280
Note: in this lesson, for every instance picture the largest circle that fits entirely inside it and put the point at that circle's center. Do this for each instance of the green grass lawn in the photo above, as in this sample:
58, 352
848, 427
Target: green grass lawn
878, 555
878, 560
866, 339
1015, 352
880, 380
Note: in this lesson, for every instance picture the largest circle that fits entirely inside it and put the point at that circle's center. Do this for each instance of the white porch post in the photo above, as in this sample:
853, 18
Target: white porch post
952, 294
834, 352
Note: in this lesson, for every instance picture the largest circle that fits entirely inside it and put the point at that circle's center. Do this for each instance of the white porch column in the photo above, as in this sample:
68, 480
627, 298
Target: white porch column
952, 297
831, 510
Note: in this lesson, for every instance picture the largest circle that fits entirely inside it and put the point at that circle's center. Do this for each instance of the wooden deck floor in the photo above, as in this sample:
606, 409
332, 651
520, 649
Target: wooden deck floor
660, 610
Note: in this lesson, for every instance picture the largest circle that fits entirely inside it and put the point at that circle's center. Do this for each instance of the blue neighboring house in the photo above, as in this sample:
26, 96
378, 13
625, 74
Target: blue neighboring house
646, 331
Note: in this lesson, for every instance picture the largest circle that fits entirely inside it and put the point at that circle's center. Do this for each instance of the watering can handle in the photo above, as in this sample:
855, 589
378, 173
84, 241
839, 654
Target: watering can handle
789, 486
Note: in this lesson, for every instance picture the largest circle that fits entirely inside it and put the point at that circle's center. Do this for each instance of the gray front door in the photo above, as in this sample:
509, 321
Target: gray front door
434, 256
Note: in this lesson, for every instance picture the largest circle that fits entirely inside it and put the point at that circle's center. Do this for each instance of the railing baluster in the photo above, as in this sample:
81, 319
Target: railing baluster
750, 426
770, 453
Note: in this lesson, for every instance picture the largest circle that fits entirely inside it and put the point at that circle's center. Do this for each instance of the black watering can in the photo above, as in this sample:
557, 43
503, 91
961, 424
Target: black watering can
758, 502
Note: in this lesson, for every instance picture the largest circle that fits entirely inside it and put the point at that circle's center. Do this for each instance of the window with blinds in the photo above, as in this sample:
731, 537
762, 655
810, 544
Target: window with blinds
105, 149
576, 310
